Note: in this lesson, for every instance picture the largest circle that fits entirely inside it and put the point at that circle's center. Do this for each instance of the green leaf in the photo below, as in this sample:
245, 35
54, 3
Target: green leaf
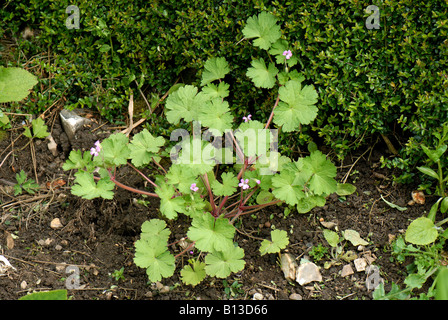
433, 211
270, 163
211, 90
21, 177
415, 280
264, 28
144, 147
197, 155
155, 230
193, 273
214, 69
169, 205
39, 129
181, 176
114, 150
211, 234
253, 138
444, 205
421, 231
184, 103
392, 205
354, 237
297, 106
29, 186
15, 84
195, 205
262, 76
46, 295
322, 172
78, 160
155, 258
222, 263
86, 187
277, 50
429, 172
284, 188
215, 115
279, 241
442, 284
331, 237
434, 155
227, 187
305, 205
345, 189
264, 197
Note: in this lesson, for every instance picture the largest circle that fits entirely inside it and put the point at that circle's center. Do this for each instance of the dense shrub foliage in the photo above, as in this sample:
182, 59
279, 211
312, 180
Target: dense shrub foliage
390, 81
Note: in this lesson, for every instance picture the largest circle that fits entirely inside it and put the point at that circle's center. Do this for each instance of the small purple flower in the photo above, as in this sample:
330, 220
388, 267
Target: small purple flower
257, 181
287, 54
193, 187
96, 150
248, 118
244, 184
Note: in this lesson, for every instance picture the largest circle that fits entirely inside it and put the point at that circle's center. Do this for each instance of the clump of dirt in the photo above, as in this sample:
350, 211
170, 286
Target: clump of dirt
98, 235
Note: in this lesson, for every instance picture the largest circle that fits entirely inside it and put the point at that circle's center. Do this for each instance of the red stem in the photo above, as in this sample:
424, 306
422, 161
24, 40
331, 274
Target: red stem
119, 184
272, 112
144, 176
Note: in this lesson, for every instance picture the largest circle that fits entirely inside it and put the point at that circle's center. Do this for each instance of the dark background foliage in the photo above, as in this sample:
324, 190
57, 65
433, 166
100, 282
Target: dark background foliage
387, 84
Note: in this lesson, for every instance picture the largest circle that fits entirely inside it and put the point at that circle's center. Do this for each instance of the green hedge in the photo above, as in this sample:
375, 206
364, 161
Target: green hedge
391, 81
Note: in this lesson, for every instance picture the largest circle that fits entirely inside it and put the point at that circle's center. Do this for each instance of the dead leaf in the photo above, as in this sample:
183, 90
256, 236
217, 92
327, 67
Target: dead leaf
55, 184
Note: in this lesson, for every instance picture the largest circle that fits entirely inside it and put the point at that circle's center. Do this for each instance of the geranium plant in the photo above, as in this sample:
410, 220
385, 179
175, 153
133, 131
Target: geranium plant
223, 169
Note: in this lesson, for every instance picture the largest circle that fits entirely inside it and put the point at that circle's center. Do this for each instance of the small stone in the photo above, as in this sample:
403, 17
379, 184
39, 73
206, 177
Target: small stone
23, 285
370, 258
71, 122
165, 289
52, 146
159, 285
61, 267
56, 223
347, 270
257, 296
418, 197
58, 247
328, 224
267, 224
308, 272
289, 266
360, 264
295, 296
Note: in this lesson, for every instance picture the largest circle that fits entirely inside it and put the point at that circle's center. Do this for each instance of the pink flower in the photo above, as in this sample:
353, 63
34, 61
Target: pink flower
193, 187
258, 181
248, 118
244, 184
96, 150
287, 54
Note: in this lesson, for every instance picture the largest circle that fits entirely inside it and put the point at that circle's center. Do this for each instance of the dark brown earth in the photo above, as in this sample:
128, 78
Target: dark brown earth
98, 235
